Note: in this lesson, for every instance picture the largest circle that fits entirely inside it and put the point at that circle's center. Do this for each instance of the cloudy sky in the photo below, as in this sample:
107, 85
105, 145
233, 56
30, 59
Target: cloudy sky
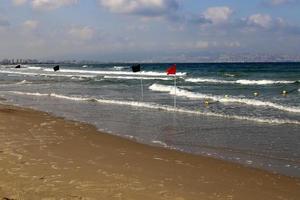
108, 30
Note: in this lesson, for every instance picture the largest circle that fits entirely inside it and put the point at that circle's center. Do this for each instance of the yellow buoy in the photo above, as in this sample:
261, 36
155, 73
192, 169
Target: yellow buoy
256, 94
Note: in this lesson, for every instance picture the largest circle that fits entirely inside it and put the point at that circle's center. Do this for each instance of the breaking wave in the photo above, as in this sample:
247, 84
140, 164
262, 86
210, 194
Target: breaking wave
98, 72
120, 67
222, 99
46, 74
137, 77
263, 82
242, 81
23, 82
207, 80
32, 67
158, 107
18, 83
230, 75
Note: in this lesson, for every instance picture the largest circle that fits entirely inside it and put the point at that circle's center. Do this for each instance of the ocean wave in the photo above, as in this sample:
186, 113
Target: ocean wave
32, 67
80, 78
242, 81
207, 80
46, 74
23, 82
158, 107
142, 73
137, 77
18, 83
263, 82
159, 143
230, 75
222, 99
120, 67
19, 72
29, 93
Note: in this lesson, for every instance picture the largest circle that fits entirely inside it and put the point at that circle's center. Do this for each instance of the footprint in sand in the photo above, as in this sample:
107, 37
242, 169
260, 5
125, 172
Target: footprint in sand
164, 194
54, 167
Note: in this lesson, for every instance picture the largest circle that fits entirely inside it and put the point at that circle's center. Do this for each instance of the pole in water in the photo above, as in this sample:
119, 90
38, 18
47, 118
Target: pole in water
172, 71
142, 89
137, 68
175, 91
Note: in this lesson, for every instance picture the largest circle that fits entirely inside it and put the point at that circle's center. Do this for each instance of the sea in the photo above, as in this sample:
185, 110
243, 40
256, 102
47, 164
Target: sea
247, 113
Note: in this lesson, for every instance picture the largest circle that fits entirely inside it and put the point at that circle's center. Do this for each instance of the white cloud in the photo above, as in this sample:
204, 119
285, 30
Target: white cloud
205, 45
218, 15
30, 24
51, 4
141, 7
82, 33
19, 2
280, 2
261, 20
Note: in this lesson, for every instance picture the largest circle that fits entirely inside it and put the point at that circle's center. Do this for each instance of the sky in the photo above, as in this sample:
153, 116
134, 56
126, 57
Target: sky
133, 30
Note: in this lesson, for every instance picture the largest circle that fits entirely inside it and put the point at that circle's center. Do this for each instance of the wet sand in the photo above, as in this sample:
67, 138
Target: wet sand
45, 157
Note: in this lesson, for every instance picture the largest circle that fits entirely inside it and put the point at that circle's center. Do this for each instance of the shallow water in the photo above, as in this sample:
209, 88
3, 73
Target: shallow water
260, 131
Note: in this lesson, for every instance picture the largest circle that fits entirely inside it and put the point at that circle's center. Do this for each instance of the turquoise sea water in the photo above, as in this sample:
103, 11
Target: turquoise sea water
230, 111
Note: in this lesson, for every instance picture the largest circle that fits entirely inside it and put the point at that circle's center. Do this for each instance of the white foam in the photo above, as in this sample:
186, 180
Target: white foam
18, 83
230, 75
159, 143
23, 82
90, 74
137, 77
230, 99
46, 74
262, 82
30, 93
120, 67
207, 80
242, 81
142, 73
160, 107
78, 78
18, 72
32, 67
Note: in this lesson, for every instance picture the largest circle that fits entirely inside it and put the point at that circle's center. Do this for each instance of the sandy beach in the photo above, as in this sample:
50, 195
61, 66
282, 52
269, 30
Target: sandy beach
46, 157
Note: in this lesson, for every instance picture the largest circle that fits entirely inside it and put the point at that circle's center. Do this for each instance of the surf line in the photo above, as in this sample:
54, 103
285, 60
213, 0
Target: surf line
222, 99
159, 107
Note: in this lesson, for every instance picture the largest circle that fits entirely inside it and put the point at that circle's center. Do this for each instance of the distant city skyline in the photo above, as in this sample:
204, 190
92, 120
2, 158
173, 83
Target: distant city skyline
150, 30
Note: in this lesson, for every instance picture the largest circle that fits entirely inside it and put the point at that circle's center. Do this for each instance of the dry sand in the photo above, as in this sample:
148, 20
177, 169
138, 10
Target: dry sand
45, 157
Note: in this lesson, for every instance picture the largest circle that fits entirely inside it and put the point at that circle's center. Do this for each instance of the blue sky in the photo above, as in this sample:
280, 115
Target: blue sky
153, 30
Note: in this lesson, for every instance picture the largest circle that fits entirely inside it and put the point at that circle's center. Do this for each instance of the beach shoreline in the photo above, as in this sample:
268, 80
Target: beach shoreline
47, 157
